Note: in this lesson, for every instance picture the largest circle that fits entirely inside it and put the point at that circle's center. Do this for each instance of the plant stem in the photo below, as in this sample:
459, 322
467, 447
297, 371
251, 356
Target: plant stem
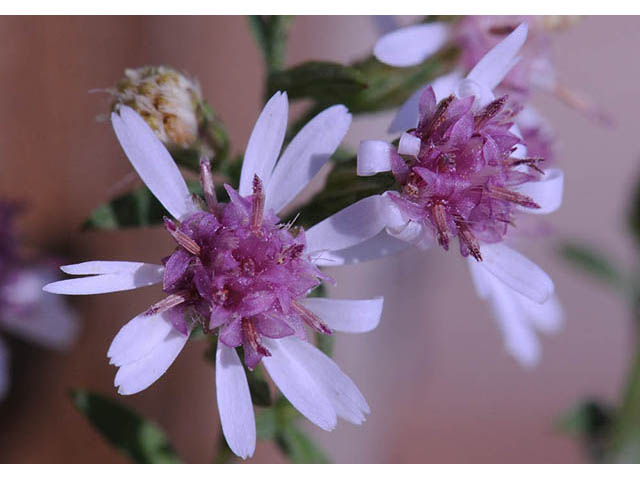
625, 435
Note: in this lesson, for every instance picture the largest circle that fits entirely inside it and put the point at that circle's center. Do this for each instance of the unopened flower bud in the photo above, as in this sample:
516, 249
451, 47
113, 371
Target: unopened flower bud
166, 99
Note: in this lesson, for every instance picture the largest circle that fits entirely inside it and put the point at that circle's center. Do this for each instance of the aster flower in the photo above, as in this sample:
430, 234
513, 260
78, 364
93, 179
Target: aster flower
463, 173
237, 271
475, 35
24, 310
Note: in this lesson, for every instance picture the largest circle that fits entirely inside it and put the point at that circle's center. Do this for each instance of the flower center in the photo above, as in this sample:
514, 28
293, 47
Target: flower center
238, 270
462, 180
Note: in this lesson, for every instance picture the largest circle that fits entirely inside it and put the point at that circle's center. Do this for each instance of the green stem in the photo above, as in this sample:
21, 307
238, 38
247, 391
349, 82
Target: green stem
625, 436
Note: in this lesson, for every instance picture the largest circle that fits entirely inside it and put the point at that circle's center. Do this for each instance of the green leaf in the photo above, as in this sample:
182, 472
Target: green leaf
325, 343
592, 262
134, 209
389, 87
298, 446
591, 422
266, 424
137, 208
187, 157
343, 187
325, 82
589, 418
259, 388
139, 438
223, 452
271, 33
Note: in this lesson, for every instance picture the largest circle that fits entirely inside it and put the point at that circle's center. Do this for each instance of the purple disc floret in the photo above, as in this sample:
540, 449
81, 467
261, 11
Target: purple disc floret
461, 179
237, 269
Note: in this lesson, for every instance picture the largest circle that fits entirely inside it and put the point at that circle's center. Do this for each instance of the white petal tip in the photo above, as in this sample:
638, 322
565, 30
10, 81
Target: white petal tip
409, 145
374, 156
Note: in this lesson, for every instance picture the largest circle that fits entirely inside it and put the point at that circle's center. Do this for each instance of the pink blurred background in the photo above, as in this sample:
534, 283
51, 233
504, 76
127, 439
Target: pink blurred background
439, 382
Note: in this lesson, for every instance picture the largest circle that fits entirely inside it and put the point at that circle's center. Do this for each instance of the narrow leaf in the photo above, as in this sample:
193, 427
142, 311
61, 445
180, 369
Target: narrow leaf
389, 86
591, 262
141, 439
137, 208
342, 188
298, 446
266, 424
324, 82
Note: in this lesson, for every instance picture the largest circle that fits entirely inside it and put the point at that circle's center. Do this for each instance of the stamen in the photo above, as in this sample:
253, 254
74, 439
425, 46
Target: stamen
440, 116
490, 111
206, 179
168, 302
439, 213
467, 238
253, 337
502, 29
181, 238
311, 319
529, 162
500, 193
257, 199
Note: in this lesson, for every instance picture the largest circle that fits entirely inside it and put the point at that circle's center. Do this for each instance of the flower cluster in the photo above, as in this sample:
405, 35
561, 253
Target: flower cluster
468, 166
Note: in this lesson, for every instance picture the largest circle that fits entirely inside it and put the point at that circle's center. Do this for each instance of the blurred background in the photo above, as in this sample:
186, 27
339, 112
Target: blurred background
440, 384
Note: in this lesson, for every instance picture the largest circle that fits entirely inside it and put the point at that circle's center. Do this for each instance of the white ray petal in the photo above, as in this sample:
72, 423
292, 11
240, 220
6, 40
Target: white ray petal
135, 377
516, 271
110, 282
265, 143
546, 192
309, 150
374, 156
382, 245
480, 278
345, 397
547, 317
292, 376
354, 316
411, 45
138, 337
471, 88
352, 225
495, 65
521, 149
519, 337
234, 402
98, 267
153, 162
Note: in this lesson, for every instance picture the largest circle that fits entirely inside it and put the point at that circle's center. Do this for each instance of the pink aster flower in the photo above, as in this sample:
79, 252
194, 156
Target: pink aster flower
241, 274
463, 173
475, 35
24, 310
